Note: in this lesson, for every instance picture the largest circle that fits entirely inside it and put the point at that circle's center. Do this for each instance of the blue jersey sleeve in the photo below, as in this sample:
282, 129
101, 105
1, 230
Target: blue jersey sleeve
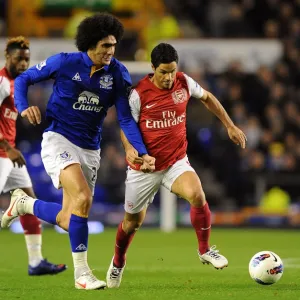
127, 123
47, 69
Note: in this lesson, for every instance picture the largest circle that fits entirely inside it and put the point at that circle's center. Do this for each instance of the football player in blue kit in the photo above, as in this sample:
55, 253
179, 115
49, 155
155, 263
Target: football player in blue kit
86, 84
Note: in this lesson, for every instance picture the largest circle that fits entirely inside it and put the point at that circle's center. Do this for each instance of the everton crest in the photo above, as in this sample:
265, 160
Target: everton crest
106, 82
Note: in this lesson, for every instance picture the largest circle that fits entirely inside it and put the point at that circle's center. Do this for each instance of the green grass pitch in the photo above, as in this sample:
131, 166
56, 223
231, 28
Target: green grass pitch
159, 266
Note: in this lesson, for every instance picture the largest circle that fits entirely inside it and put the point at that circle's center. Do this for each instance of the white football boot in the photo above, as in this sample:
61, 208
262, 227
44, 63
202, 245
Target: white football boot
212, 256
20, 204
114, 275
88, 281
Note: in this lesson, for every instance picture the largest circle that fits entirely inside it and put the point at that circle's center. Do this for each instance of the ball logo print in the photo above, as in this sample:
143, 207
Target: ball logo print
265, 267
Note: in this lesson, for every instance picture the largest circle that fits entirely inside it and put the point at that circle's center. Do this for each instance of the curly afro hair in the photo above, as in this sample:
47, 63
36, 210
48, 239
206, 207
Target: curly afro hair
18, 42
163, 53
95, 28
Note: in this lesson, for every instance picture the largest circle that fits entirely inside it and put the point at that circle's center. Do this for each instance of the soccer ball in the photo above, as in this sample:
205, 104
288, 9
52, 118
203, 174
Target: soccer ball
265, 267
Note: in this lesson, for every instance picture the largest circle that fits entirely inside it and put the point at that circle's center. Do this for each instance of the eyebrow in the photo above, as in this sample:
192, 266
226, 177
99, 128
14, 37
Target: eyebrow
109, 44
162, 70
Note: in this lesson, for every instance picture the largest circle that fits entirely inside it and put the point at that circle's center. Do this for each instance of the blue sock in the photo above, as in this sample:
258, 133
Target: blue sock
78, 233
46, 211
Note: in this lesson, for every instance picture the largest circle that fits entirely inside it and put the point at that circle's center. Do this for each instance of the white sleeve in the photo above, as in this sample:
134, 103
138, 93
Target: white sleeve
135, 104
194, 88
4, 88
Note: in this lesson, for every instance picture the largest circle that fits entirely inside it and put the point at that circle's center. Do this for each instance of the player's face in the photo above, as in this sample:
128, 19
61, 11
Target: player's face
164, 75
17, 61
102, 54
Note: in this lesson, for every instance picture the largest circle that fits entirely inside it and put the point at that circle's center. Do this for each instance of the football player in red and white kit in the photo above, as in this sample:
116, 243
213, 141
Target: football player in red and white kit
13, 172
158, 104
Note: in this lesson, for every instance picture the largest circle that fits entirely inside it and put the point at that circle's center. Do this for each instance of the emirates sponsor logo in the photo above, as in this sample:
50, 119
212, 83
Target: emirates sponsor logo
169, 119
9, 114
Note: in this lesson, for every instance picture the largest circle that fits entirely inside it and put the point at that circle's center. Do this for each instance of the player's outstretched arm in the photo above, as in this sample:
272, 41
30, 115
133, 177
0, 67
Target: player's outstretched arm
13, 154
214, 105
42, 71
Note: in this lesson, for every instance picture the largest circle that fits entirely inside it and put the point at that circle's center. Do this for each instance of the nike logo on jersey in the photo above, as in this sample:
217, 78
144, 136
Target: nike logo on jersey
150, 105
76, 77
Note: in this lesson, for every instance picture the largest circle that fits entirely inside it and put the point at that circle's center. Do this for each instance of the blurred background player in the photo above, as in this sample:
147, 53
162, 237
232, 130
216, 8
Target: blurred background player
158, 104
86, 84
13, 172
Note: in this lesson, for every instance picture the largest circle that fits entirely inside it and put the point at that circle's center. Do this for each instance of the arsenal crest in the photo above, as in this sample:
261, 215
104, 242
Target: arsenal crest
179, 96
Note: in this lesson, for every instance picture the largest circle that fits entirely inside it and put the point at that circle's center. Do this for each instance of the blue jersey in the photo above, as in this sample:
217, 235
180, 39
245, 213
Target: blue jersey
81, 98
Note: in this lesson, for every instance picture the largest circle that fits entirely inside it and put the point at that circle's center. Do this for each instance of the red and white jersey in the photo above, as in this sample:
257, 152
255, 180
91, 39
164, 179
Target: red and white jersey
161, 115
8, 112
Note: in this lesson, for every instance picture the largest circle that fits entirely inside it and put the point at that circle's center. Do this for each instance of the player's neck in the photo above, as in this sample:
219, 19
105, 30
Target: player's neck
8, 71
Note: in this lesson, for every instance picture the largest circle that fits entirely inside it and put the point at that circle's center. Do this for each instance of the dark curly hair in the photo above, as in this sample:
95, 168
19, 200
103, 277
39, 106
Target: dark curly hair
163, 53
95, 28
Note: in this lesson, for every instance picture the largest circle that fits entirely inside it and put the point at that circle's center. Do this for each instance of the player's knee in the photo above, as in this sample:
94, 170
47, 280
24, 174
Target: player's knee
83, 201
131, 226
196, 197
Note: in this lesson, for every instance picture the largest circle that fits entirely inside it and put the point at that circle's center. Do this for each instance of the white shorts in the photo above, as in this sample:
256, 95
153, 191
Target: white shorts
142, 187
13, 177
58, 153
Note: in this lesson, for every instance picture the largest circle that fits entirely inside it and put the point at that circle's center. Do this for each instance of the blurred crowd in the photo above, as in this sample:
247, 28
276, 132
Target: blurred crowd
265, 104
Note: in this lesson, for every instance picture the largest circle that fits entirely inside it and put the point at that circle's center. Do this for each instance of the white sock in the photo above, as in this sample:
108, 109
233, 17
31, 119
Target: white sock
80, 263
34, 248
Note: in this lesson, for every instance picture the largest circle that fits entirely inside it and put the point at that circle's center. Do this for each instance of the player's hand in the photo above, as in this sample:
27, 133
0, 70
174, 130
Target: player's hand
16, 157
237, 136
132, 156
148, 165
33, 115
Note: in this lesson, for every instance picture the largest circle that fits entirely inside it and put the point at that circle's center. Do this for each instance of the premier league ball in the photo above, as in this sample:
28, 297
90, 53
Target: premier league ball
265, 267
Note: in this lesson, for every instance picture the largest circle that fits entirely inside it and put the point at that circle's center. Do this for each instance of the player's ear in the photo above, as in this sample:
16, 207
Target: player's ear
153, 68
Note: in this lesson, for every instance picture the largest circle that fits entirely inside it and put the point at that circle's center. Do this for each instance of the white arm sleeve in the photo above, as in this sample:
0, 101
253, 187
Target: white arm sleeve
194, 88
4, 88
135, 104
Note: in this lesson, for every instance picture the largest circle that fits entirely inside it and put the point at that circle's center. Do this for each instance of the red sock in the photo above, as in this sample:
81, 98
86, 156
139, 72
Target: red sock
31, 224
200, 219
123, 241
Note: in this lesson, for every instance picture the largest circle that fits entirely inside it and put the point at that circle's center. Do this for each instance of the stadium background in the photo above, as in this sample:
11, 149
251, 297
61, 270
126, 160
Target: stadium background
246, 52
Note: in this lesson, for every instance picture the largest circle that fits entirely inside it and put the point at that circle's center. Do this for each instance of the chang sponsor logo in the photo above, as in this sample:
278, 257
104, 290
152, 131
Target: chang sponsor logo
88, 101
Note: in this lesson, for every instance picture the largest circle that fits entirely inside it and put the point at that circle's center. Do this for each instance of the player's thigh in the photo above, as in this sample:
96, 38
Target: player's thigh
90, 164
182, 180
18, 178
140, 189
6, 166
